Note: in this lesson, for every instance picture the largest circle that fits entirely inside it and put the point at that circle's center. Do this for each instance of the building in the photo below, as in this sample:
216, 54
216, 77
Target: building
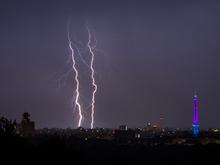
26, 127
161, 121
196, 117
123, 128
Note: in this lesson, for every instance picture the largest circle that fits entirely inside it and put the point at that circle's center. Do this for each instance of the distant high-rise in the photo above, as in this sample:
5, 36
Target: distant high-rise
196, 117
161, 121
123, 128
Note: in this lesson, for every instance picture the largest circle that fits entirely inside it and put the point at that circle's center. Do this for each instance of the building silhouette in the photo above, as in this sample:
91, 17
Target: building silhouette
123, 127
26, 127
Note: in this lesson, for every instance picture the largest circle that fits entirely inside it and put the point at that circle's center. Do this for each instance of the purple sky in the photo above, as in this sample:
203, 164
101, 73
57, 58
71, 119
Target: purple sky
156, 54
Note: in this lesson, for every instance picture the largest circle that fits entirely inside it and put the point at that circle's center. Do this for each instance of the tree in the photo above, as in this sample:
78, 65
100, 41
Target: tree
7, 127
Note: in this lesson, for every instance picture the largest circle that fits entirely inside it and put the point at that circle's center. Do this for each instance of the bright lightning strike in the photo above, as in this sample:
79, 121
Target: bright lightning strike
92, 77
77, 104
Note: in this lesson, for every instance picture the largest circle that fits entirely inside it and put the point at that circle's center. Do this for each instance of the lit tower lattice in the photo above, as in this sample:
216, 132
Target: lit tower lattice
196, 117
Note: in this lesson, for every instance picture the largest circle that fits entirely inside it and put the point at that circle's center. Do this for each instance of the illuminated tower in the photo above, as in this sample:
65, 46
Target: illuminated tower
196, 117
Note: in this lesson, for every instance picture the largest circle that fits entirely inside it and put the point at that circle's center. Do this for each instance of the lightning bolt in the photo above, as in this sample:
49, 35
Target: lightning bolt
76, 101
92, 77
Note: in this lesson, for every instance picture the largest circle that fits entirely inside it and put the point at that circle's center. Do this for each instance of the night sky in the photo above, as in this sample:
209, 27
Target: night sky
153, 56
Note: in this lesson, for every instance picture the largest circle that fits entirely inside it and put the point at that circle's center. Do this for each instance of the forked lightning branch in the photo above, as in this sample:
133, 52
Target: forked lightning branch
76, 92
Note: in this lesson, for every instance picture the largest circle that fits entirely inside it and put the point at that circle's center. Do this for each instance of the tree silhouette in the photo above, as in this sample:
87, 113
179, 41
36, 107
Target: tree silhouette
7, 127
